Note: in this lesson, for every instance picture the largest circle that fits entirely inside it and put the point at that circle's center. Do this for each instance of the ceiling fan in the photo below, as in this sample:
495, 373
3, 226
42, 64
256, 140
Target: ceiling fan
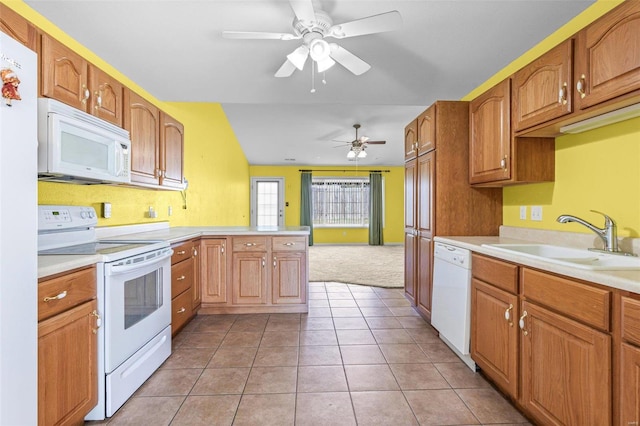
358, 145
313, 25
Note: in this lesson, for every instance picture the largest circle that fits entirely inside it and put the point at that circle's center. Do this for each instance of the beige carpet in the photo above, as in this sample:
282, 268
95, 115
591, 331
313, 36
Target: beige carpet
380, 266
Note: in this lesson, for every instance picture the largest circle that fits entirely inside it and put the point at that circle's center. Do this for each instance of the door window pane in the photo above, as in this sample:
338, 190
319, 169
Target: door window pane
267, 200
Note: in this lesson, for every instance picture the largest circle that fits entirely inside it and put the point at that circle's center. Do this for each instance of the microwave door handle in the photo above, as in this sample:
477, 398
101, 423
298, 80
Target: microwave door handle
121, 269
119, 158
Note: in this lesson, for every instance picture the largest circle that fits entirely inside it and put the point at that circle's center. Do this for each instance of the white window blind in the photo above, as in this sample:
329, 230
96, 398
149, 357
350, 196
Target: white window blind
340, 201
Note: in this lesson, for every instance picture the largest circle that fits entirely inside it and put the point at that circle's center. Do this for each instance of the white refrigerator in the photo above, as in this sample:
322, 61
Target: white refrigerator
18, 234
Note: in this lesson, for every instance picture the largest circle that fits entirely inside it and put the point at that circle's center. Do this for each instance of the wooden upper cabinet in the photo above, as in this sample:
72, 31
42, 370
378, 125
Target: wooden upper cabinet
106, 95
64, 74
16, 26
542, 90
411, 140
427, 130
171, 151
141, 119
490, 135
608, 56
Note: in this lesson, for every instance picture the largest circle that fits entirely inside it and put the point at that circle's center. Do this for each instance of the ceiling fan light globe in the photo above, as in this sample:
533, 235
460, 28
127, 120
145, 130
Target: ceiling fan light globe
325, 64
319, 50
362, 154
351, 154
298, 57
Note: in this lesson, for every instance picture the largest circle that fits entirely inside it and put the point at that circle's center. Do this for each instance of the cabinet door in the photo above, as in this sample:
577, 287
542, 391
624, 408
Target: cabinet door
16, 26
490, 135
64, 74
410, 195
67, 366
630, 385
608, 56
410, 255
141, 120
427, 130
494, 336
289, 278
543, 89
213, 258
566, 369
171, 151
423, 272
106, 96
425, 190
196, 290
249, 279
411, 140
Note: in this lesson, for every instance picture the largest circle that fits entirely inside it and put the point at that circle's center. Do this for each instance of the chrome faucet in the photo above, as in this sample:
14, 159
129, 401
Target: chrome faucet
608, 234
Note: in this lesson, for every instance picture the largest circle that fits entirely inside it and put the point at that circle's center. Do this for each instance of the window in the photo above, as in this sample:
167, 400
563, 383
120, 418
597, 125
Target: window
340, 202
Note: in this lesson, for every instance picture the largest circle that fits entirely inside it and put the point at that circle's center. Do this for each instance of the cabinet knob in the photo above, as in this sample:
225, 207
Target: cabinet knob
180, 278
98, 321
581, 86
562, 95
522, 324
181, 310
86, 93
58, 296
181, 252
503, 163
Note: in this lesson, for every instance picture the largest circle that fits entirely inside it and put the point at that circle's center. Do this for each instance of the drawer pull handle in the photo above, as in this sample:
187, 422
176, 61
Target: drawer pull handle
181, 252
249, 244
57, 297
289, 244
521, 323
562, 95
181, 310
581, 86
263, 262
275, 261
507, 315
180, 278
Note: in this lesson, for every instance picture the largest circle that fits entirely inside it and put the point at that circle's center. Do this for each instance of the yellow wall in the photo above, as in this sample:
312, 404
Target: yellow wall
394, 202
595, 170
214, 163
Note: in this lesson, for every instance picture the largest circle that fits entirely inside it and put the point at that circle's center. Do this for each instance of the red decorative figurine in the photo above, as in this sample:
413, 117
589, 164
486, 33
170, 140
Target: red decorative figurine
10, 84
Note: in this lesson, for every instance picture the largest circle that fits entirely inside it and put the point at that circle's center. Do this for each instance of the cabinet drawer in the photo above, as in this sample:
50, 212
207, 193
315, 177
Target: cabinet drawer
181, 252
250, 243
583, 302
180, 311
181, 277
496, 272
293, 243
631, 320
65, 292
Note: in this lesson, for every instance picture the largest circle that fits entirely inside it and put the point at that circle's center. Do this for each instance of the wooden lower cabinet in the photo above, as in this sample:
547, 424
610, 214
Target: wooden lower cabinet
630, 385
424, 272
494, 335
410, 255
183, 284
566, 369
249, 278
258, 273
67, 366
213, 270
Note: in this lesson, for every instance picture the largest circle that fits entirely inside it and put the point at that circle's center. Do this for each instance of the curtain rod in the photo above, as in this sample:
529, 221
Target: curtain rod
325, 170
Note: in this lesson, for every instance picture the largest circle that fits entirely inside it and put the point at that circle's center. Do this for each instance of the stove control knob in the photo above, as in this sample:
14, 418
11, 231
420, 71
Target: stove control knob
83, 214
92, 214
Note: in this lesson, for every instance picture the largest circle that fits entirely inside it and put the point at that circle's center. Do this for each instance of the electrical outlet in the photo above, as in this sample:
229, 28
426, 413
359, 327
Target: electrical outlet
170, 211
152, 213
523, 212
536, 213
106, 210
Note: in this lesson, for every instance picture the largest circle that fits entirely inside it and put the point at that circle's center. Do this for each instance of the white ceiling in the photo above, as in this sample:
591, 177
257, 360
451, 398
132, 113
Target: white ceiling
444, 49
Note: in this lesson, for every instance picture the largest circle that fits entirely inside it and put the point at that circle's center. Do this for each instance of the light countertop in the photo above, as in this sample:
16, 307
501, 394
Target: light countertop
623, 280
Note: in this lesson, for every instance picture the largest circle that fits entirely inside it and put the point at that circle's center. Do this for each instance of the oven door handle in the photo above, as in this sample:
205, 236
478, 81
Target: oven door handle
121, 269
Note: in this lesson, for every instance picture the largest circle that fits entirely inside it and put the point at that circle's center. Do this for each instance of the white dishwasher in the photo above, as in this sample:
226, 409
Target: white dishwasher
451, 303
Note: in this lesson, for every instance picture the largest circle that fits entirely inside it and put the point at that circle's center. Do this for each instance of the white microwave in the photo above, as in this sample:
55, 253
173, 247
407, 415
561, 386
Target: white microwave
76, 147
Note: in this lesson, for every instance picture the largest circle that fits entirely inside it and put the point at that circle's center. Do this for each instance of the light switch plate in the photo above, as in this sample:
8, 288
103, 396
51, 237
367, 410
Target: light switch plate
523, 212
536, 213
106, 210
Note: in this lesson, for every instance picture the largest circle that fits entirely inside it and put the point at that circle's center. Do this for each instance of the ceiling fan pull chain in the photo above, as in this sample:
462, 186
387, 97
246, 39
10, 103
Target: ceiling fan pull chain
324, 77
313, 77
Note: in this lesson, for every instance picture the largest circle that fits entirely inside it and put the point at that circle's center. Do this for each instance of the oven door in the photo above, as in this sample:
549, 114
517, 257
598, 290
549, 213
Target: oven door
137, 303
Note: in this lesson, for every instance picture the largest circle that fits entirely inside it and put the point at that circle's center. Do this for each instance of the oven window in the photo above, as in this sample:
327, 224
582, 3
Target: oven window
142, 297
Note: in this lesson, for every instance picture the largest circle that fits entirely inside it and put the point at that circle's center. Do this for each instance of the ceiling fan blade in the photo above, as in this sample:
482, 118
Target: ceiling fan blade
388, 21
376, 142
254, 35
286, 69
299, 57
348, 60
303, 9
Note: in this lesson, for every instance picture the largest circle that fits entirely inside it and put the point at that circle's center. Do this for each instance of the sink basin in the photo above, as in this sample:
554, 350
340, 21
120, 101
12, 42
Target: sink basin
577, 258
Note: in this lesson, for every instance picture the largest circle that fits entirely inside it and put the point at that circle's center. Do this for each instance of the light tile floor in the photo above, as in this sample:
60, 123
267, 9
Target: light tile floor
361, 356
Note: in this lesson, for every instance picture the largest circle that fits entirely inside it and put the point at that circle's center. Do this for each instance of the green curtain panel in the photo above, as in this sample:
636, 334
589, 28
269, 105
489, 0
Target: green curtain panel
306, 207
375, 209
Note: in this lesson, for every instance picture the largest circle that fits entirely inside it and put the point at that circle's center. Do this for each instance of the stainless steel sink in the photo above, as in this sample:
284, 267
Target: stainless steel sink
577, 258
